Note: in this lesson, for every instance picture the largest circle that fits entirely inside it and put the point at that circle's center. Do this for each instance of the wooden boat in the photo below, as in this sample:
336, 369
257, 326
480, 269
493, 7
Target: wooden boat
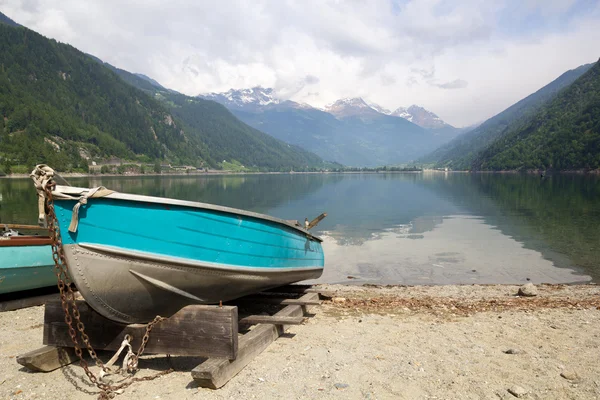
25, 263
134, 257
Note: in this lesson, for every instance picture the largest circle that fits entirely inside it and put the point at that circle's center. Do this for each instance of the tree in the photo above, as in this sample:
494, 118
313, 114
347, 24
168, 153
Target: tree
157, 167
7, 167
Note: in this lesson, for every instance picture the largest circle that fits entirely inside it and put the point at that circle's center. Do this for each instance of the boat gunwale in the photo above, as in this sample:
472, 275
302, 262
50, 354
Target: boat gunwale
25, 241
72, 190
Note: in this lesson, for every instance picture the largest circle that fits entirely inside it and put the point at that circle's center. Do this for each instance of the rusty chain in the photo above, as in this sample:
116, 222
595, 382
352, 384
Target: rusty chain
69, 305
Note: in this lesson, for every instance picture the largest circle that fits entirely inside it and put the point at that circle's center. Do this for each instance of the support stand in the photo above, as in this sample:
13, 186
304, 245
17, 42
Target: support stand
196, 330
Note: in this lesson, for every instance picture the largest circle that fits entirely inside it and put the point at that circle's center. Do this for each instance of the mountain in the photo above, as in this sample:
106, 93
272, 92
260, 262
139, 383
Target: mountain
246, 99
349, 131
461, 152
422, 117
63, 107
563, 134
150, 80
415, 114
355, 107
226, 136
380, 109
7, 21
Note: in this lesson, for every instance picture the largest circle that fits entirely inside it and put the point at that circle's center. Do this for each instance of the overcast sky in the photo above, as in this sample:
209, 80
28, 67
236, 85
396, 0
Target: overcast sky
464, 60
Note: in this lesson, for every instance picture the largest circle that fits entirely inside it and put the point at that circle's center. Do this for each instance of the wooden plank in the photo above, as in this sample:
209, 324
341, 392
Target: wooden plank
299, 289
13, 241
263, 298
21, 226
47, 358
316, 221
270, 319
11, 305
195, 330
214, 373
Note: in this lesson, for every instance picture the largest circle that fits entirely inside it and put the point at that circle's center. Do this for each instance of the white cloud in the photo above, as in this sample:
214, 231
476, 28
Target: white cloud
392, 53
455, 84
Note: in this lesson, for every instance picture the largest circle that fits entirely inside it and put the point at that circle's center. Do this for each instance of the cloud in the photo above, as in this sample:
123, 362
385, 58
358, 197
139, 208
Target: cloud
311, 80
387, 79
424, 73
411, 81
455, 84
388, 51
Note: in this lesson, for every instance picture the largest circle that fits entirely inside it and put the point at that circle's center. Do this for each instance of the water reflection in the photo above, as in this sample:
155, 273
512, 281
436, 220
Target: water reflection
461, 250
558, 216
403, 228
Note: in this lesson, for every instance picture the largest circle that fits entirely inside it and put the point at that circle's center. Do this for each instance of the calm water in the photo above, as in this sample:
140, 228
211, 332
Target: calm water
403, 228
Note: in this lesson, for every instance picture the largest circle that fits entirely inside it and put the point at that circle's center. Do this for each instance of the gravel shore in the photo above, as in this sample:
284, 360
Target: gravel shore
373, 342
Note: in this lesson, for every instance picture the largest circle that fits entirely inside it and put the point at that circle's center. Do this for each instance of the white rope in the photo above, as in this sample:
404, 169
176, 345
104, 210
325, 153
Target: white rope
41, 175
99, 191
126, 343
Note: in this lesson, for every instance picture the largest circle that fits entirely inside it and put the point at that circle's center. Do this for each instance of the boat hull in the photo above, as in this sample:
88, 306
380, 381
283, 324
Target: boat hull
136, 288
135, 257
25, 267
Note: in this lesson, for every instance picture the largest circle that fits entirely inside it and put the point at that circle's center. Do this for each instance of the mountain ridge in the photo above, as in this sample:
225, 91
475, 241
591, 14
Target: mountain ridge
7, 21
563, 134
258, 96
65, 108
460, 152
350, 131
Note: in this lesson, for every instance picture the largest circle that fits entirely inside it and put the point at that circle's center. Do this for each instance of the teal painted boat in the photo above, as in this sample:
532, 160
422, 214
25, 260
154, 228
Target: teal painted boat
25, 263
134, 257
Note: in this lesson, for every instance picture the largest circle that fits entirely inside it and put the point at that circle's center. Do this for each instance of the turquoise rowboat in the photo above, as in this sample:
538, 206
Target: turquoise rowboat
25, 263
134, 257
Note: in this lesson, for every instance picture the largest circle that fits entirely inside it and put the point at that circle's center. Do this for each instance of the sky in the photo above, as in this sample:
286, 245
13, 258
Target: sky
465, 60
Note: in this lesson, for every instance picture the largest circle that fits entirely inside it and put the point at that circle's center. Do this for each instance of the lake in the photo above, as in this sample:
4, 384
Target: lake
402, 228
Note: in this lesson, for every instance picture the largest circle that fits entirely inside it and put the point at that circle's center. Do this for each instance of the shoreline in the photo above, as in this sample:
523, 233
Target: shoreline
399, 342
232, 173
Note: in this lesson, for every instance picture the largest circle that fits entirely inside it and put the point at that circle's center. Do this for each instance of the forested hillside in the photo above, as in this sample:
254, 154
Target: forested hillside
227, 137
64, 107
60, 106
461, 152
564, 134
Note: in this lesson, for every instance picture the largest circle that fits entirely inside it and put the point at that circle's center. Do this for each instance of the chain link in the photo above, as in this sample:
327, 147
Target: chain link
69, 305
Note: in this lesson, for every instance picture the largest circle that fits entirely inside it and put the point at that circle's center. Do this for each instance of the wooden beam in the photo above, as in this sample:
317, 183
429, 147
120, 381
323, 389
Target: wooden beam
20, 226
299, 289
195, 330
11, 305
270, 319
47, 358
316, 221
264, 298
13, 241
214, 373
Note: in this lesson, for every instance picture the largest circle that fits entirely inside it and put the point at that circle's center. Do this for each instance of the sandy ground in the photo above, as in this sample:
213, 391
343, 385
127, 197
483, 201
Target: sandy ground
436, 342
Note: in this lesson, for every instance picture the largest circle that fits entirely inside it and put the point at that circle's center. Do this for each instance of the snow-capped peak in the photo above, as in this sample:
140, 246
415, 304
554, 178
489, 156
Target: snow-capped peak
350, 107
256, 96
348, 102
402, 112
380, 109
420, 116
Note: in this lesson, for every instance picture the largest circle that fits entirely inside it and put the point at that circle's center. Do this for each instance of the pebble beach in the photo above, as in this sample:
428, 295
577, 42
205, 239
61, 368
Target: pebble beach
376, 342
